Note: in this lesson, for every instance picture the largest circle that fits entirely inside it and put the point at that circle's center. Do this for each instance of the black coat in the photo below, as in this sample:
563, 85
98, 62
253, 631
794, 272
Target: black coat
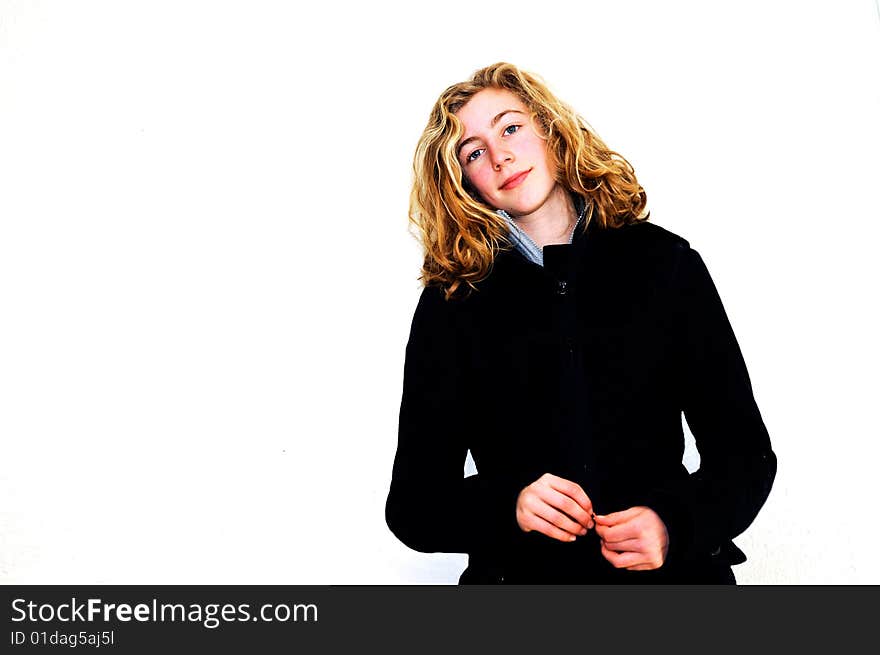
582, 369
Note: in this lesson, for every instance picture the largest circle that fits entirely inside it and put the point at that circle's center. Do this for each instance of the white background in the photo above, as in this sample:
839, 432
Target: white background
206, 279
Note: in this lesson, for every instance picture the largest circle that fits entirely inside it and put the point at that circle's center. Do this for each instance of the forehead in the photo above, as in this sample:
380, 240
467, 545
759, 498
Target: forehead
477, 114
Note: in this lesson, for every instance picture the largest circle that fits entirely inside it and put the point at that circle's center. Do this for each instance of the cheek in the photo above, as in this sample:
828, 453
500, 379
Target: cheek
537, 151
480, 179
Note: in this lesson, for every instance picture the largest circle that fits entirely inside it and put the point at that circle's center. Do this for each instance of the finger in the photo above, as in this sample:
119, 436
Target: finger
617, 517
546, 528
571, 489
620, 531
557, 518
627, 545
648, 561
567, 505
623, 560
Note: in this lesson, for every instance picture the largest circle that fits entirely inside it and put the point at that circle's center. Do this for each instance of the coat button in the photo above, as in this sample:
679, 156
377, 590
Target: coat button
716, 552
561, 287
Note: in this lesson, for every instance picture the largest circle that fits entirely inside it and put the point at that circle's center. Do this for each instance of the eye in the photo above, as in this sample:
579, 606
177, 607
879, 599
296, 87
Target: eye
514, 128
471, 156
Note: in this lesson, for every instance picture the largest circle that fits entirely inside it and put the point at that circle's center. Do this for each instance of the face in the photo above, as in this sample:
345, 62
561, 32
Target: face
502, 155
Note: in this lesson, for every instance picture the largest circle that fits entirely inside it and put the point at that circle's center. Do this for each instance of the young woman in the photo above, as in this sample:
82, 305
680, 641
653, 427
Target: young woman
559, 338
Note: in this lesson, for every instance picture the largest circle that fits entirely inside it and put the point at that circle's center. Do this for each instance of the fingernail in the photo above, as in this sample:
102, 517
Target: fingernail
572, 538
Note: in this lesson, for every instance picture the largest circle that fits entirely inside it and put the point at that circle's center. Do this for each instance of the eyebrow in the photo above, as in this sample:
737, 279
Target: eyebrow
492, 124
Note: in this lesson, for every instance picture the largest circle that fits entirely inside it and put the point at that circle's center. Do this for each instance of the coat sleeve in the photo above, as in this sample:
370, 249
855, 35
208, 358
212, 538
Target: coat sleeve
705, 511
431, 506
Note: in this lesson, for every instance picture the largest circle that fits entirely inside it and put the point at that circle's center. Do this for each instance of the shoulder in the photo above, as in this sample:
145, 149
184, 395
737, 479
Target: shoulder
639, 250
646, 235
434, 312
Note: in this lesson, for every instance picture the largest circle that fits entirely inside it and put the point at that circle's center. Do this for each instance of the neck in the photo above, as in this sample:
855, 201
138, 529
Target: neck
553, 221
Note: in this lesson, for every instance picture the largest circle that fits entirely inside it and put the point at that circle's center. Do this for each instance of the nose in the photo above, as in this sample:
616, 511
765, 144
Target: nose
501, 156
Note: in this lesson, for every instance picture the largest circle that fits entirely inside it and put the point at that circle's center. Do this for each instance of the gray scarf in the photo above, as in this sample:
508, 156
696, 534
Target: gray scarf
531, 250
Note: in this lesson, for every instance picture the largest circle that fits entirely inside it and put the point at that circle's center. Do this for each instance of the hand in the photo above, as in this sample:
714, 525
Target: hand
634, 539
556, 507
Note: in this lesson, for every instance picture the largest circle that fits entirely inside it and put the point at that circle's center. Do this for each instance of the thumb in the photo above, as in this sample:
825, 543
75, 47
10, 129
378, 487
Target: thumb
604, 519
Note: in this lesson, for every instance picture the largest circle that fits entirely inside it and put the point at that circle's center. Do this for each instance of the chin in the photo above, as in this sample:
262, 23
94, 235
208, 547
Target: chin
525, 208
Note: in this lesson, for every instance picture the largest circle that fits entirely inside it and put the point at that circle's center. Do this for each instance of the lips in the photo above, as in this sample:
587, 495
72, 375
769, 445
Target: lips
515, 180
